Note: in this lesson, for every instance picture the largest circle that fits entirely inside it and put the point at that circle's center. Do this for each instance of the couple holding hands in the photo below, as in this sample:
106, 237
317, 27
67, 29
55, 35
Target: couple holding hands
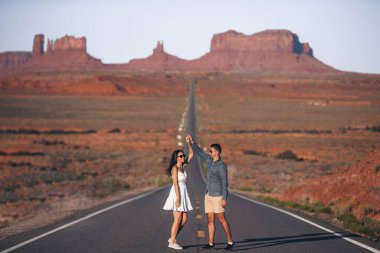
178, 200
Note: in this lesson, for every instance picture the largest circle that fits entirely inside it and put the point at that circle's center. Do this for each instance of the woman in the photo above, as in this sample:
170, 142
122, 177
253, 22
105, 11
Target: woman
178, 200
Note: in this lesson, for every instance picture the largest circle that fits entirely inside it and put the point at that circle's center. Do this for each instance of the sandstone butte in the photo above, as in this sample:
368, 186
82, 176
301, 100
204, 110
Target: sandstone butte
267, 51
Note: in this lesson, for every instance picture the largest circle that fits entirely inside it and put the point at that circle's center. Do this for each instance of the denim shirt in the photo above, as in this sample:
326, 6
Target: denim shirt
217, 183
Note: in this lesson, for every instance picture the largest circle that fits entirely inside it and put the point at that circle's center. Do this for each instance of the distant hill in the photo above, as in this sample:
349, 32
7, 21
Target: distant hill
267, 51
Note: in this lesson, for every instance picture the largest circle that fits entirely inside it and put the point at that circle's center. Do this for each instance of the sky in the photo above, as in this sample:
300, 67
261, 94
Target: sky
344, 34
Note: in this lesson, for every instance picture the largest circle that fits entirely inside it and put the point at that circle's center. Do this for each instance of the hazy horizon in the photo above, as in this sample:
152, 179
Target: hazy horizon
341, 33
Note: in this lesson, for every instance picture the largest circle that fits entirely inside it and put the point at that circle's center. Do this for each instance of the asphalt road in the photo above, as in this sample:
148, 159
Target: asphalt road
141, 225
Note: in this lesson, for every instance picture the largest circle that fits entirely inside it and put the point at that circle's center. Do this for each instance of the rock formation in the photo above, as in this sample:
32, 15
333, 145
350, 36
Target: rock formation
67, 52
11, 61
158, 61
267, 51
38, 45
67, 43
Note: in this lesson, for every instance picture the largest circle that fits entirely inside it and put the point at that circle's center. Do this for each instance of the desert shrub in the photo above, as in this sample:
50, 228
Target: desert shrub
49, 143
20, 164
91, 131
30, 180
373, 226
104, 187
280, 131
115, 130
20, 131
9, 197
269, 200
251, 152
9, 184
89, 173
58, 194
288, 155
112, 186
39, 197
3, 153
246, 188
4, 224
320, 208
297, 206
377, 168
263, 189
46, 178
56, 176
27, 153
373, 129
351, 222
317, 208
162, 180
370, 210
62, 132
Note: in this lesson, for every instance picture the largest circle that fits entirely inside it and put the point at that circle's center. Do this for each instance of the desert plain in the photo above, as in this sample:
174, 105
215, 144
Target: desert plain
63, 153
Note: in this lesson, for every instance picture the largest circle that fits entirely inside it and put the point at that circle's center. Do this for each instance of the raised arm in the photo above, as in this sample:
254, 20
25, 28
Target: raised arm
191, 153
198, 151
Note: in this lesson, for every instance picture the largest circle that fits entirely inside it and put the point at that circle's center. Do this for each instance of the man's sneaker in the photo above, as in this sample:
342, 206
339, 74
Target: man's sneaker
208, 246
175, 246
230, 246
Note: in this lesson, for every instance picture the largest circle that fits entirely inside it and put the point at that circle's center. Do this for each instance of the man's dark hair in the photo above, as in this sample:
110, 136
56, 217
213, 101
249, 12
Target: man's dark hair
217, 147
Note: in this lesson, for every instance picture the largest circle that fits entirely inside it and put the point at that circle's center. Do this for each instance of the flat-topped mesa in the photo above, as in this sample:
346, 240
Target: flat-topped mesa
11, 61
67, 52
275, 41
67, 43
267, 51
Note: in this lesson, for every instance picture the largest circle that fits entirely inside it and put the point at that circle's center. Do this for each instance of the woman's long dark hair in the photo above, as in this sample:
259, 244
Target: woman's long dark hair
173, 161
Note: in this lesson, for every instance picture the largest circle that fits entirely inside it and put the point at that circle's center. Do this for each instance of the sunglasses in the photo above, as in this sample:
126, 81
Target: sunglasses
182, 156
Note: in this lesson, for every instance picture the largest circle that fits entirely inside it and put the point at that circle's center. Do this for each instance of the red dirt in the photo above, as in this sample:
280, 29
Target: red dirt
356, 186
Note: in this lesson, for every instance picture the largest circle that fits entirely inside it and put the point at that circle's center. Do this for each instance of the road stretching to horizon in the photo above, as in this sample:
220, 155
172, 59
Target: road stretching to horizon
141, 225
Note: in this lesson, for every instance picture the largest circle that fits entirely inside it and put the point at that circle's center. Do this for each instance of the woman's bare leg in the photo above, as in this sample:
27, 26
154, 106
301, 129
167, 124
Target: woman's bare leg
183, 222
176, 222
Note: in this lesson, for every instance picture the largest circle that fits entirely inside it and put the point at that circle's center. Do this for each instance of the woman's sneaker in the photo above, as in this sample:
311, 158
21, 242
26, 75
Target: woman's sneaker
175, 246
169, 240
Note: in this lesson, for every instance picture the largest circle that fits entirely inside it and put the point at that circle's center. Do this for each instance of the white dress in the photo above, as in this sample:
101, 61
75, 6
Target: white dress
184, 203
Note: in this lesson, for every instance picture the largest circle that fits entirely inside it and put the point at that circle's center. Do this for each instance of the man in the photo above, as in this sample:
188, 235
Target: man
216, 192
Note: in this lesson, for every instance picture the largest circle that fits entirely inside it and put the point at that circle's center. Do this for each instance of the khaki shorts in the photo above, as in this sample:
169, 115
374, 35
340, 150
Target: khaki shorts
213, 204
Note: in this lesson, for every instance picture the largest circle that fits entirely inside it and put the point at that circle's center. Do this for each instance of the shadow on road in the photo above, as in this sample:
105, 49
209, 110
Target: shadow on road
275, 241
255, 243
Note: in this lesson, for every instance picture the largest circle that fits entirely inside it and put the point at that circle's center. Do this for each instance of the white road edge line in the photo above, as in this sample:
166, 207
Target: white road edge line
311, 223
81, 219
